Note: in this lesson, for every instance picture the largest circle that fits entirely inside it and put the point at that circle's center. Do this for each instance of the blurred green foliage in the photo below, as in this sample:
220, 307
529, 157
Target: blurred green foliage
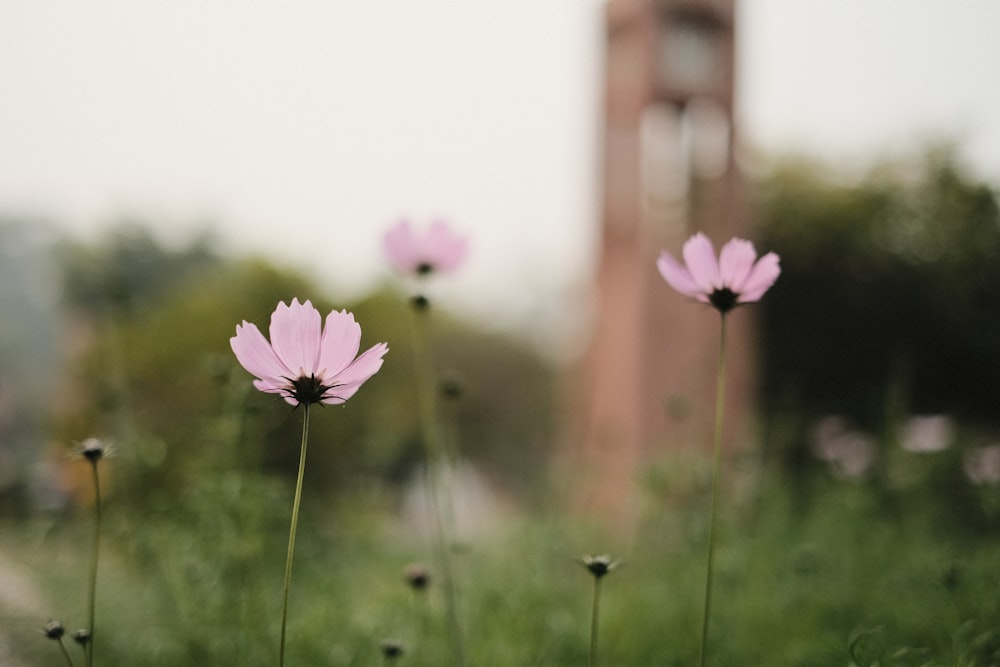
841, 583
159, 367
886, 307
889, 300
127, 269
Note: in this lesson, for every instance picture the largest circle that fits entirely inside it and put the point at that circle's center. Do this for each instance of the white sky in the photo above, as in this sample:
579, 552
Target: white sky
304, 128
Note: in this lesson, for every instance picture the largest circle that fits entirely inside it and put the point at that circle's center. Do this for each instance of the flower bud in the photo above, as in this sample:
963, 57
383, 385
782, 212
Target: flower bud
599, 565
54, 630
420, 302
452, 388
391, 648
93, 449
417, 576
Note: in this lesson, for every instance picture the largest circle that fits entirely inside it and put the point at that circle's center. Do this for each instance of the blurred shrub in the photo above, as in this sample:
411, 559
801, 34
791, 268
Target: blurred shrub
126, 269
198, 581
889, 299
154, 366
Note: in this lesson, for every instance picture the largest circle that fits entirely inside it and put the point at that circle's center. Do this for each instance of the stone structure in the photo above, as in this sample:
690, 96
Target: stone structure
646, 385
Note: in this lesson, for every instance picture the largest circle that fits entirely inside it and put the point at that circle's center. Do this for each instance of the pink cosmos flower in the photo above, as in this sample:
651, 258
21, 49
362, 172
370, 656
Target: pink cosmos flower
737, 277
438, 249
305, 362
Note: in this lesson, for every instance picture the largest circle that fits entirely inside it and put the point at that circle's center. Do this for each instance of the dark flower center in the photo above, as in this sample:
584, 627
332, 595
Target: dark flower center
724, 299
392, 648
598, 565
418, 576
309, 389
425, 268
54, 630
93, 450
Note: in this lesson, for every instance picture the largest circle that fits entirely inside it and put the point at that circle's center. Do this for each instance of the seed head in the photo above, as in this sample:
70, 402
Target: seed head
420, 302
93, 449
451, 388
54, 630
417, 576
391, 648
599, 565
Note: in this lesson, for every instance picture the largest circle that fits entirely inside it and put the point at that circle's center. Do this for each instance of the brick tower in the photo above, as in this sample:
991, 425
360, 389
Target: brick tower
646, 385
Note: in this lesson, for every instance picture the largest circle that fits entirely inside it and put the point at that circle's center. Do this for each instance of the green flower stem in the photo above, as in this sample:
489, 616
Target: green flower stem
62, 647
88, 652
594, 620
291, 532
716, 465
436, 462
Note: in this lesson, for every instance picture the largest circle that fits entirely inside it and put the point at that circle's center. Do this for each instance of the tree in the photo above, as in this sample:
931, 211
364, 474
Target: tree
889, 299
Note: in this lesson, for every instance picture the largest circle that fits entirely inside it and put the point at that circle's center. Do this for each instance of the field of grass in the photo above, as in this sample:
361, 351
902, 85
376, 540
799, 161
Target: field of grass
844, 574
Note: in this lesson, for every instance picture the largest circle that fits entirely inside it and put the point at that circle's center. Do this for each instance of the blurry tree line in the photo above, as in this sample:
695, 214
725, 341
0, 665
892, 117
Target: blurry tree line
143, 332
889, 300
888, 306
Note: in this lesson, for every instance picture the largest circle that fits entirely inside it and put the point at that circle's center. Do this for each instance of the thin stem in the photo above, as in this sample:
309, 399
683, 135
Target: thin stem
291, 532
716, 465
88, 652
593, 621
69, 660
436, 461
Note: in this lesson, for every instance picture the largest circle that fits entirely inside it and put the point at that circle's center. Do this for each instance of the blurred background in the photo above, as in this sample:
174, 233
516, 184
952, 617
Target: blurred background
169, 170
138, 148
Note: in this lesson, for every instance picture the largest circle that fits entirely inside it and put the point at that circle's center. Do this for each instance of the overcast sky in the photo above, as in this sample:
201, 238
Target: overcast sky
304, 128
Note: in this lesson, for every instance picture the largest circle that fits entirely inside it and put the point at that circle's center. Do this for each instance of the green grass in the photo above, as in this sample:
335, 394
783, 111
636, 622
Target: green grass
836, 581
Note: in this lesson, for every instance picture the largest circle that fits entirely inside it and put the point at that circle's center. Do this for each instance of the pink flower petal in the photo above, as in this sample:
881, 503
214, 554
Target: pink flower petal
255, 354
761, 277
400, 247
676, 275
735, 270
438, 248
295, 336
699, 255
298, 338
285, 390
443, 247
357, 373
340, 343
735, 262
